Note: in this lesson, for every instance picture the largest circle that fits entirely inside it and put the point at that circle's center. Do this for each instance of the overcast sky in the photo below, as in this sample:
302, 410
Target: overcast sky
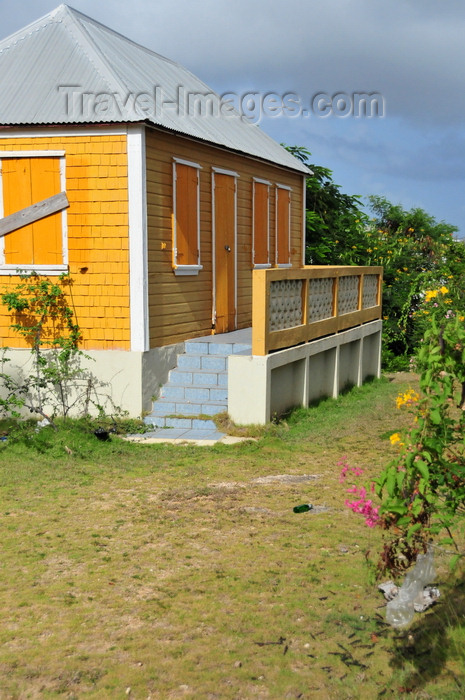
410, 52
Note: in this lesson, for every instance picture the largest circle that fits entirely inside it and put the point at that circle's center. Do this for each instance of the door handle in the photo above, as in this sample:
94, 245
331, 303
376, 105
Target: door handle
227, 249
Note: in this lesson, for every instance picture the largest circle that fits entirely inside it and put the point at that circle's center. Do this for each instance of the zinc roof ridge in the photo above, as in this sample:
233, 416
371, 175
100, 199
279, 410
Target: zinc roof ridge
93, 53
126, 39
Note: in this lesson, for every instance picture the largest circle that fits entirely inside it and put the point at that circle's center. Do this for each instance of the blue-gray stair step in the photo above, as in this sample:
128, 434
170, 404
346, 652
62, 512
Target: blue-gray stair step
180, 423
212, 348
197, 385
199, 378
196, 394
163, 407
215, 363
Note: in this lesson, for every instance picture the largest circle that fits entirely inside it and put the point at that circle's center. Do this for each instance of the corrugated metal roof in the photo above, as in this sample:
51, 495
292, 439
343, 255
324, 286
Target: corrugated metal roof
66, 68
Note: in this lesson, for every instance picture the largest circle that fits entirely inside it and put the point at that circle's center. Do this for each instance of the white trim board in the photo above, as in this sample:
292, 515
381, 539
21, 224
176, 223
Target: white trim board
53, 132
138, 265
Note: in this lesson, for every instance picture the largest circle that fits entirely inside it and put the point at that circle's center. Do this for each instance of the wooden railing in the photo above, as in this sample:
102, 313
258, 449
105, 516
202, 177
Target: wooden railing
296, 305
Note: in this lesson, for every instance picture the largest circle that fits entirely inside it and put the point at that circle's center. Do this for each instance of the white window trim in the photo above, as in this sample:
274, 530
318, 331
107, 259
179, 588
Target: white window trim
181, 270
190, 163
223, 171
288, 264
58, 269
184, 270
260, 266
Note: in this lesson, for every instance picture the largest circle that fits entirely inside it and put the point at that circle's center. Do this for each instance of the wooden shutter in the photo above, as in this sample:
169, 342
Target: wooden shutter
187, 226
27, 181
260, 224
283, 211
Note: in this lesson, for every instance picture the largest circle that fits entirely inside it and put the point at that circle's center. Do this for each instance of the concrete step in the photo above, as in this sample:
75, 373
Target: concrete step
180, 423
198, 378
211, 347
198, 385
164, 407
196, 394
215, 363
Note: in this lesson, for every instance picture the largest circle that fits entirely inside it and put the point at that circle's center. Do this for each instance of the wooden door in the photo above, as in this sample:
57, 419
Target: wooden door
224, 233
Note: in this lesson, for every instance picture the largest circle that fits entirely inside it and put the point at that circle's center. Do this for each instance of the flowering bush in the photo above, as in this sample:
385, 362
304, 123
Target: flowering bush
423, 487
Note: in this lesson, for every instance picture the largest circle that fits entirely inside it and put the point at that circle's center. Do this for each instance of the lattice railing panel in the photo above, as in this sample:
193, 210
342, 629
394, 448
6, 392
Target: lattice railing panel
348, 295
297, 305
370, 291
285, 304
320, 299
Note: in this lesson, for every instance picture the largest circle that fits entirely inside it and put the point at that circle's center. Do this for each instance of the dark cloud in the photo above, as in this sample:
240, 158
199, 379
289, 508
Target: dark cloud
409, 51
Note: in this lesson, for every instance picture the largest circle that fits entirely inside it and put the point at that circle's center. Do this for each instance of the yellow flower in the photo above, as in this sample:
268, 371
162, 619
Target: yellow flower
431, 294
407, 398
395, 439
444, 290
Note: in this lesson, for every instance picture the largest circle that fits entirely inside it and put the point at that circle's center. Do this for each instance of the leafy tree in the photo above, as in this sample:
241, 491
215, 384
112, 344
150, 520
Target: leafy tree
334, 220
416, 251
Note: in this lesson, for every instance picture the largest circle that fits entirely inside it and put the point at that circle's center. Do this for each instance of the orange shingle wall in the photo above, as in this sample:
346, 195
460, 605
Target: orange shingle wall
97, 190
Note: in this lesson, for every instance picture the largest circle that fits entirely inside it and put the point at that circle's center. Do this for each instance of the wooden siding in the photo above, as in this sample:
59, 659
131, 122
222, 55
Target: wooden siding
180, 307
97, 222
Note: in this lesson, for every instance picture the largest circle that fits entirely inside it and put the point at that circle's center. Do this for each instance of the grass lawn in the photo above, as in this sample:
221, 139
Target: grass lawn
162, 571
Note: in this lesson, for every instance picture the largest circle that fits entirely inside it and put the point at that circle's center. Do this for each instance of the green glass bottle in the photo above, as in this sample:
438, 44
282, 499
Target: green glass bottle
304, 508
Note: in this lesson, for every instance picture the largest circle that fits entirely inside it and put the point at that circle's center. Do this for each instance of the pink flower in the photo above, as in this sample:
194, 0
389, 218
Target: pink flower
362, 505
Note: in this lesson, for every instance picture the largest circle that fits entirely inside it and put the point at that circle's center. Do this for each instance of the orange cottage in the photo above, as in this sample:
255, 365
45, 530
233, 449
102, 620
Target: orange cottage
123, 169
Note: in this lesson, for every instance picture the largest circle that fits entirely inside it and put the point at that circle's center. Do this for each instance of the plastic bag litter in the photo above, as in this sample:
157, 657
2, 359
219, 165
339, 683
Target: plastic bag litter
415, 595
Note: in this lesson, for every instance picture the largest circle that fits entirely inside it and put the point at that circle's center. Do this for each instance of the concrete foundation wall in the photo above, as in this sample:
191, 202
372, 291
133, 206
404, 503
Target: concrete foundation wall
261, 386
321, 375
350, 365
126, 380
287, 386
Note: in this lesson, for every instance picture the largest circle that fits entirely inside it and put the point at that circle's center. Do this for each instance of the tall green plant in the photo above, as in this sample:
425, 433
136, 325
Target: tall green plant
423, 487
57, 384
